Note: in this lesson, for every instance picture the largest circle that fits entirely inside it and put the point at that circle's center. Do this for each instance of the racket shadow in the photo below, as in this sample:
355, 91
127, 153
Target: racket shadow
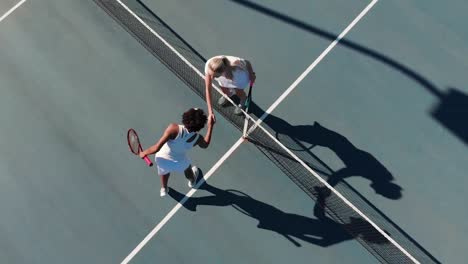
321, 230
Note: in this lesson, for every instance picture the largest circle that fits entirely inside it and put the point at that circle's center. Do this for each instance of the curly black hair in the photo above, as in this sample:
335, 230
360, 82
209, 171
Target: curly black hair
194, 119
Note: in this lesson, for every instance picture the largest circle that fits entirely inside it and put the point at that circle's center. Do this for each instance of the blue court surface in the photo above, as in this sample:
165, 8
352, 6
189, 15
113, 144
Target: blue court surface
369, 98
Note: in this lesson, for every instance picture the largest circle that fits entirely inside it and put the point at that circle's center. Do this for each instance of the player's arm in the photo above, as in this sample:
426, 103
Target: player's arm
252, 76
170, 133
204, 142
208, 88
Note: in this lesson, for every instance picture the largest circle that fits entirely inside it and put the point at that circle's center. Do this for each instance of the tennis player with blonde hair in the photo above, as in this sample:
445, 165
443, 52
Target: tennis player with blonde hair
232, 74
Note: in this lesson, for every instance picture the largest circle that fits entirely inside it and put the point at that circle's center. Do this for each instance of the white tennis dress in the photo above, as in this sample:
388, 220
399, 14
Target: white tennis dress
240, 76
172, 157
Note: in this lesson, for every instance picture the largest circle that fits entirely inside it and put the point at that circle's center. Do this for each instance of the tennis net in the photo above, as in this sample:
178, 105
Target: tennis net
363, 221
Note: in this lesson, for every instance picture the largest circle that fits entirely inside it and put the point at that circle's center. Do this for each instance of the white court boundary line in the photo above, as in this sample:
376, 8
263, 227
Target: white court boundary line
313, 65
179, 205
179, 55
11, 10
257, 124
324, 182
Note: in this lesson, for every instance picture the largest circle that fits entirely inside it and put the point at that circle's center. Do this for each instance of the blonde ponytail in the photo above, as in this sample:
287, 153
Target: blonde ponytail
221, 65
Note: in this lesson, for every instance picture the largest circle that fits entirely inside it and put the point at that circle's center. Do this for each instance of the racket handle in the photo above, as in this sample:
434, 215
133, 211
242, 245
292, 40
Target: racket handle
148, 161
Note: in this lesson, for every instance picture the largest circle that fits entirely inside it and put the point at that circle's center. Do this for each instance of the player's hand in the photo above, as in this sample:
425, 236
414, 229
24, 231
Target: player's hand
142, 154
211, 120
252, 77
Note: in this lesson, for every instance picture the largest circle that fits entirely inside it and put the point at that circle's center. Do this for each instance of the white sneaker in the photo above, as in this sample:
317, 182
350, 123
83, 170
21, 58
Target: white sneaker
195, 171
163, 192
238, 111
222, 101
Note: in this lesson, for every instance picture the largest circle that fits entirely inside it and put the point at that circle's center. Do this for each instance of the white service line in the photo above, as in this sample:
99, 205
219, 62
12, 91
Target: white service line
179, 205
11, 10
314, 64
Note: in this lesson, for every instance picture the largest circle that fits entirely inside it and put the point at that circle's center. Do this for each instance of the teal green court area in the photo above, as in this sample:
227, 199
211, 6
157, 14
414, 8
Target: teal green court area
380, 116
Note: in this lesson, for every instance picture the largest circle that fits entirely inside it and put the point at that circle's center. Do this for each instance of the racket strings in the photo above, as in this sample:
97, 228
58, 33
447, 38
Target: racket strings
134, 143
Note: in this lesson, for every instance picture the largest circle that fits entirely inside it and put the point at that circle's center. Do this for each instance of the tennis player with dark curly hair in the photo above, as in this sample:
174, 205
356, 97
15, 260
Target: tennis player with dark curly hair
171, 149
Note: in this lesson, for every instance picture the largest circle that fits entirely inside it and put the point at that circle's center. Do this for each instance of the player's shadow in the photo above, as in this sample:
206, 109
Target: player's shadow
357, 162
452, 112
452, 109
321, 231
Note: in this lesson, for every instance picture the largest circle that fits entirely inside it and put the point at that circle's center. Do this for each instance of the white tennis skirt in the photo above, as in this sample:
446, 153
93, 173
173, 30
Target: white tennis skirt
166, 166
240, 80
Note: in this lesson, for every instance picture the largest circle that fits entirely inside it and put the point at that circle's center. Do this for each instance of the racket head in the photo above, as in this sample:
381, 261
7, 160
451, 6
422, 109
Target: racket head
133, 141
249, 97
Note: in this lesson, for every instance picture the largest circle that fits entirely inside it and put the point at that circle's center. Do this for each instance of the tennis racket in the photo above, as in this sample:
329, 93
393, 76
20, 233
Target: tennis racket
135, 146
247, 105
249, 97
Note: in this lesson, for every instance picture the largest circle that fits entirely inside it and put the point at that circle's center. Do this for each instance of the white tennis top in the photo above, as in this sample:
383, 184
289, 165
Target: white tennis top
240, 76
173, 154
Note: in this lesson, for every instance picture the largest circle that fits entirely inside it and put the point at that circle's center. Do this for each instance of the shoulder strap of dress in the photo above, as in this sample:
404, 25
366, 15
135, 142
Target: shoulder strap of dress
180, 134
196, 139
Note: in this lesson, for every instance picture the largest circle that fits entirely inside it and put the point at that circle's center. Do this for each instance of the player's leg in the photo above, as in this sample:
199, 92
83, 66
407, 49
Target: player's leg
241, 94
191, 173
164, 179
243, 97
222, 100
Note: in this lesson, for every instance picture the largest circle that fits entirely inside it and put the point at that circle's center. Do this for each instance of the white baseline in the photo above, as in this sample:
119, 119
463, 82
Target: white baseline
11, 10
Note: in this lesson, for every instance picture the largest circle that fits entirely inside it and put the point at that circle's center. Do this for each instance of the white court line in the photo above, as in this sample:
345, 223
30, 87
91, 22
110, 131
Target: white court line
313, 65
179, 205
344, 199
238, 143
178, 54
11, 10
